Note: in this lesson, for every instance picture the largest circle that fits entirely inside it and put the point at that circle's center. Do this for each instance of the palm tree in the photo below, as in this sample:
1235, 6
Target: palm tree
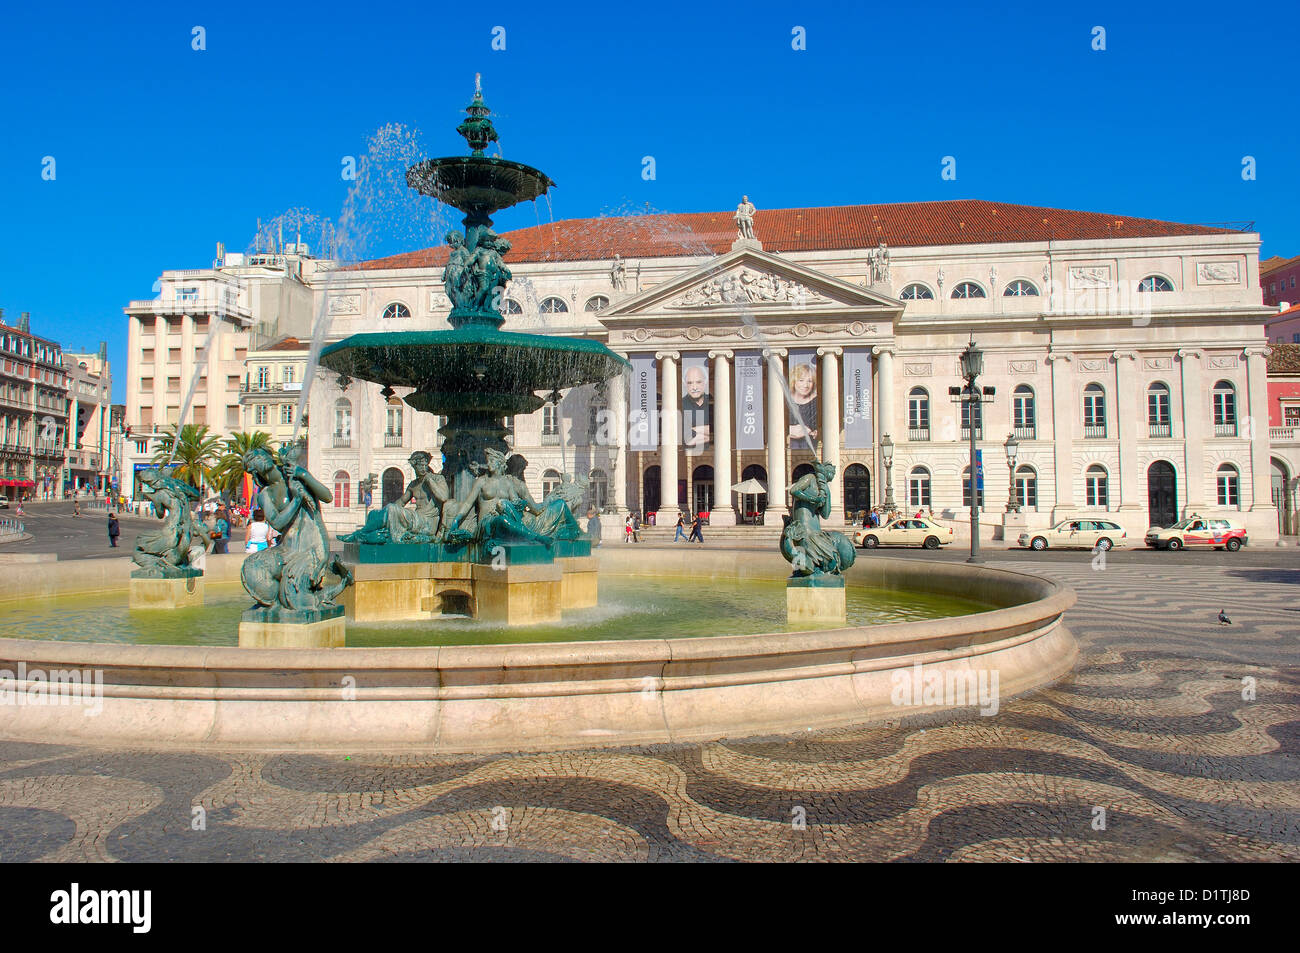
228, 474
196, 452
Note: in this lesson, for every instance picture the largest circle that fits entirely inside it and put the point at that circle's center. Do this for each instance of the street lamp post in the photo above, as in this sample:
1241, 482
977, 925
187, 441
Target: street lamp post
972, 366
887, 455
1012, 447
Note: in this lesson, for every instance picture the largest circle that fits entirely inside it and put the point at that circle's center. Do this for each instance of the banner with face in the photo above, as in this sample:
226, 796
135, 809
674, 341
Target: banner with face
857, 398
805, 414
749, 400
697, 405
642, 415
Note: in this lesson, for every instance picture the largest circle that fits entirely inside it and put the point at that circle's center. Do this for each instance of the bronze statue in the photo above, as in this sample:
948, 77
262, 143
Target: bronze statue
812, 550
501, 499
168, 552
396, 523
291, 575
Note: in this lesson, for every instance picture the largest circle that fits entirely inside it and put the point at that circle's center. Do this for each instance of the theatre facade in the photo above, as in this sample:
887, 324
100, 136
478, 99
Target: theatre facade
1126, 359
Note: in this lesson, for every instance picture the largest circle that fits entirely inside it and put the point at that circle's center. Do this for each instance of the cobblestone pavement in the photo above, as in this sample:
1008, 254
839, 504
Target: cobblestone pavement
1151, 728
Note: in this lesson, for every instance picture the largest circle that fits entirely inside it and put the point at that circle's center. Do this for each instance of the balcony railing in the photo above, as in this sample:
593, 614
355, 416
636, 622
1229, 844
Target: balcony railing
343, 440
1161, 430
550, 439
1094, 431
918, 433
1291, 432
979, 433
391, 440
1025, 433
1225, 430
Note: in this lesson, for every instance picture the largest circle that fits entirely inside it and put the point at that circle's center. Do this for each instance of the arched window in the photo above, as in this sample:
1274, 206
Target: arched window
342, 422
965, 489
391, 486
967, 289
1158, 410
512, 307
1225, 409
1020, 288
598, 303
1228, 480
1023, 419
1094, 411
554, 306
918, 487
342, 489
802, 470
1027, 487
1095, 492
702, 489
598, 490
917, 292
550, 480
397, 310
1155, 283
918, 414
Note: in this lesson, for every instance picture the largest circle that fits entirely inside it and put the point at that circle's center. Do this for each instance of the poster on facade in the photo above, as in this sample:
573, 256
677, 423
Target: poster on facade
642, 415
857, 398
805, 409
749, 400
697, 405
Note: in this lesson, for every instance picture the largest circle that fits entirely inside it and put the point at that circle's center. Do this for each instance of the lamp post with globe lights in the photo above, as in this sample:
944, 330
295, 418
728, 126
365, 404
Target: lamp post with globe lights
973, 396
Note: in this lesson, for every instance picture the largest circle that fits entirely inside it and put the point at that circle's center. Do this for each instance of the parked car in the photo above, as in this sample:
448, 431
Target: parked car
4, 502
1076, 534
1199, 532
905, 531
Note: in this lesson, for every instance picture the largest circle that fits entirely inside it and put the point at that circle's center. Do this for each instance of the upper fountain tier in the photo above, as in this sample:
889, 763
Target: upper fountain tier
477, 184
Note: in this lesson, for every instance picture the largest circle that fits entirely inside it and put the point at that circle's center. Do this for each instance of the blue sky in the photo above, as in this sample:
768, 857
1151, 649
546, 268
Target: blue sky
161, 150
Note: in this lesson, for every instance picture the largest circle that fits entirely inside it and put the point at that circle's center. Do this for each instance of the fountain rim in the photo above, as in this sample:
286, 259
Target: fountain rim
471, 336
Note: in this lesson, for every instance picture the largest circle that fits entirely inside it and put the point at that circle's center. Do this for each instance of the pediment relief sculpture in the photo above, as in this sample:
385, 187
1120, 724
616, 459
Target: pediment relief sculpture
748, 286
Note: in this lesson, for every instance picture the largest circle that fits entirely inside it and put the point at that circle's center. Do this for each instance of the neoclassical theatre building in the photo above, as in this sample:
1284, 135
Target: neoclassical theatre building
1126, 356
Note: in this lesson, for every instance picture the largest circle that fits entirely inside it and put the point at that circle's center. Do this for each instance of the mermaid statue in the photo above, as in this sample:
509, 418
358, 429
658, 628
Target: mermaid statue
398, 523
169, 551
291, 576
812, 550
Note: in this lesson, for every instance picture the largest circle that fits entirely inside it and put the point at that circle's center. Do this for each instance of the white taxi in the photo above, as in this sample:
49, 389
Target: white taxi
905, 531
1199, 532
1076, 534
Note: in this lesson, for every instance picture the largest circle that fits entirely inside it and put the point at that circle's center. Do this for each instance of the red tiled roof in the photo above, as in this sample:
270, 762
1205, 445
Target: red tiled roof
960, 222
1285, 359
1270, 265
287, 344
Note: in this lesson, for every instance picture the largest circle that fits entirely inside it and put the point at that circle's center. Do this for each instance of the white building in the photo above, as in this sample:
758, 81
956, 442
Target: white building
90, 398
1127, 355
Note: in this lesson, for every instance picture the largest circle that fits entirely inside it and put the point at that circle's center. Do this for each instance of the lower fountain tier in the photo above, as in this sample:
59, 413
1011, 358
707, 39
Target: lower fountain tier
519, 594
473, 369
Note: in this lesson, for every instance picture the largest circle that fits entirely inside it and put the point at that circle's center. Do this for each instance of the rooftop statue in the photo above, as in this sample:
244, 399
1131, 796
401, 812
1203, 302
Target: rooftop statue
169, 551
291, 576
396, 523
812, 550
745, 218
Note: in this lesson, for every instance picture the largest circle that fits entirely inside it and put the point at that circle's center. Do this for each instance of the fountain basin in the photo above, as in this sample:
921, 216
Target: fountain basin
482, 698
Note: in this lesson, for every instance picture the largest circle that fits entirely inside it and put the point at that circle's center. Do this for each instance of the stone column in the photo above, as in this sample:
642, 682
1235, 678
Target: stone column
776, 436
618, 388
1129, 427
884, 417
669, 419
189, 368
1195, 413
134, 366
724, 511
1063, 414
1263, 522
831, 422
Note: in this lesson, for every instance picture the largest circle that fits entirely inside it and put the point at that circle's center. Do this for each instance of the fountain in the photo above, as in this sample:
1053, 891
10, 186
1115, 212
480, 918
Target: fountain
477, 542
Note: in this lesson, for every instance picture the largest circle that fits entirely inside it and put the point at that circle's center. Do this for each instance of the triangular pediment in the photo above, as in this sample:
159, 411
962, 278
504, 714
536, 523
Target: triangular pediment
749, 280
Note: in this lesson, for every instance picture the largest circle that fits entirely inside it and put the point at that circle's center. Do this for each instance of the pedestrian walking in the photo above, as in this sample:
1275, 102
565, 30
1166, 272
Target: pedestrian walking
636, 527
221, 541
593, 527
258, 535
681, 528
114, 530
696, 535
76, 507
627, 528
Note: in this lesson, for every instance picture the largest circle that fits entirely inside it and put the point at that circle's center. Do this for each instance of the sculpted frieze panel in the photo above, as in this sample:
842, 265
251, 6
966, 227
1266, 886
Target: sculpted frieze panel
345, 304
1218, 273
748, 286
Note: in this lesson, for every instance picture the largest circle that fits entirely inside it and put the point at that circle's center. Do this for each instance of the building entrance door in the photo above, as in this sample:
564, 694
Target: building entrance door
1162, 494
650, 491
1281, 500
857, 490
702, 494
392, 486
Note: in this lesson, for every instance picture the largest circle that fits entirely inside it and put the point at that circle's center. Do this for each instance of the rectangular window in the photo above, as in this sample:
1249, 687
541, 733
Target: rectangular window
1227, 489
919, 491
187, 294
286, 413
259, 414
1095, 491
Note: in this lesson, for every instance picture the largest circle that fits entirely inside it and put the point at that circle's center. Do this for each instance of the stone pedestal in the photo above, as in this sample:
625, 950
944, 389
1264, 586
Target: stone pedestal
519, 594
815, 599
578, 587
264, 628
173, 593
1013, 524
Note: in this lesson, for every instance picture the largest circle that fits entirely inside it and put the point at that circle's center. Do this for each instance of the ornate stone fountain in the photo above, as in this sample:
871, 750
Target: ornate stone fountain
477, 543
